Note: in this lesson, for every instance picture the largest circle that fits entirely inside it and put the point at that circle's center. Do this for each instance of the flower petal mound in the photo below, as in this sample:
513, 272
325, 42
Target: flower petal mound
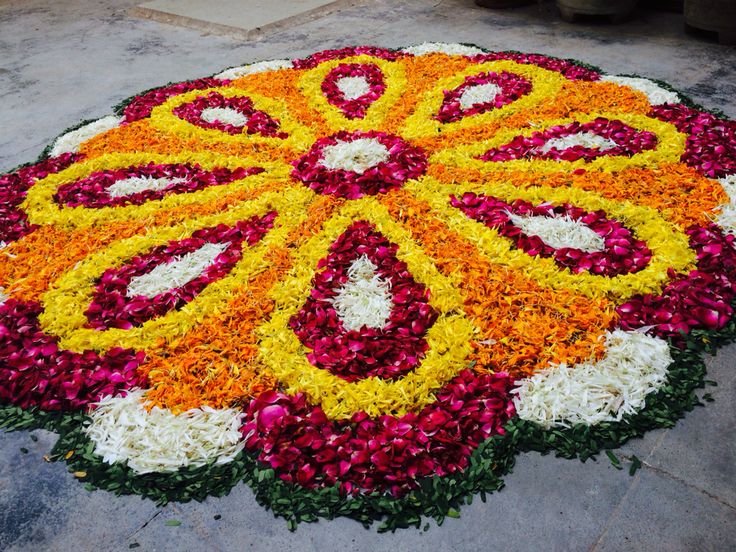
575, 141
353, 87
362, 281
327, 323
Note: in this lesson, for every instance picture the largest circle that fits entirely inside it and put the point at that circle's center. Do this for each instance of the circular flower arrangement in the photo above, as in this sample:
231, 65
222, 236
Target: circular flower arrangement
362, 281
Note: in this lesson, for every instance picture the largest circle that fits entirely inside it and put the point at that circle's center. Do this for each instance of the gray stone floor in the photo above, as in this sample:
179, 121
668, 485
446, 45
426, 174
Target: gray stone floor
68, 60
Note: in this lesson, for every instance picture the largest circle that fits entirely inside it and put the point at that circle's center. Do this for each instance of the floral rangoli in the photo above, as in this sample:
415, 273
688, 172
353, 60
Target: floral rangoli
363, 281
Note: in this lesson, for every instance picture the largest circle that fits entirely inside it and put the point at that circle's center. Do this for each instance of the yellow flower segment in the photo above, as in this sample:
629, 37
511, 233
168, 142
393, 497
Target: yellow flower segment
69, 297
448, 339
393, 74
42, 209
545, 85
670, 147
668, 243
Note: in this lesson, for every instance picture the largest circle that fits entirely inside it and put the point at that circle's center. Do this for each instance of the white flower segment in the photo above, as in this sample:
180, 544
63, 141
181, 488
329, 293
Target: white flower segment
559, 232
136, 184
450, 49
225, 115
3, 295
357, 155
365, 299
479, 94
176, 273
634, 366
726, 218
353, 88
655, 93
260, 67
160, 441
584, 139
70, 142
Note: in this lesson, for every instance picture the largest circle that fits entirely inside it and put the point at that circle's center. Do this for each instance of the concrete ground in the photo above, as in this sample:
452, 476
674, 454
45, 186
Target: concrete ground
68, 60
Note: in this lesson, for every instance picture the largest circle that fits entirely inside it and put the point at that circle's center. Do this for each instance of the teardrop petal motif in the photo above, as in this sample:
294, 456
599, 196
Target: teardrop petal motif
575, 141
386, 352
448, 337
353, 87
135, 186
485, 92
231, 114
562, 232
481, 93
142, 105
353, 165
138, 184
67, 299
171, 275
354, 93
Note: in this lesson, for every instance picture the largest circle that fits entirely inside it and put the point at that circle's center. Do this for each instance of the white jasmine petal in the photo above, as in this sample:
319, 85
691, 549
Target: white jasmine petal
559, 232
479, 94
158, 440
634, 366
365, 299
726, 217
136, 184
225, 115
260, 67
353, 87
452, 49
585, 139
70, 142
177, 272
654, 92
357, 155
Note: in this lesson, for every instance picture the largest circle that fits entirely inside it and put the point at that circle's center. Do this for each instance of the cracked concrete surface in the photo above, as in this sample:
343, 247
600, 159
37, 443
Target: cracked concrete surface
71, 60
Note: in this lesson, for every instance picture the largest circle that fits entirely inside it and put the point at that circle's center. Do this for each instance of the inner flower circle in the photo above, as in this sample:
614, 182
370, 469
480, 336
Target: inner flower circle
356, 156
355, 164
224, 115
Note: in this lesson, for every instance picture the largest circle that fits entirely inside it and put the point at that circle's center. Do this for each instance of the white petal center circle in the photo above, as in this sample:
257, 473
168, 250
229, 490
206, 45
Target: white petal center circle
479, 94
365, 299
560, 232
357, 156
584, 139
353, 87
178, 272
135, 184
225, 115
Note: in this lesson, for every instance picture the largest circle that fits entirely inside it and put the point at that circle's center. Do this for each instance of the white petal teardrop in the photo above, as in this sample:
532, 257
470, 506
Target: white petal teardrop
224, 115
479, 94
136, 184
365, 299
176, 273
560, 232
584, 139
353, 88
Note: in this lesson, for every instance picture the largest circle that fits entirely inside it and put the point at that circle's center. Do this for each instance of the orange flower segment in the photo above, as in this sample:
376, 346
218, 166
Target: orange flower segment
365, 278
